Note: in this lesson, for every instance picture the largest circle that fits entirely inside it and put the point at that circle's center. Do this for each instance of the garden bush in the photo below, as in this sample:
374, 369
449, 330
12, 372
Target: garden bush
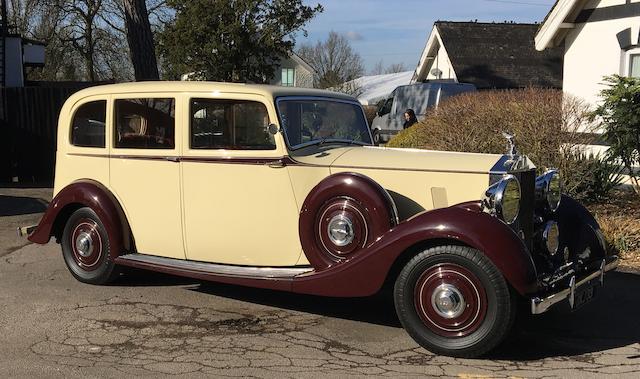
549, 128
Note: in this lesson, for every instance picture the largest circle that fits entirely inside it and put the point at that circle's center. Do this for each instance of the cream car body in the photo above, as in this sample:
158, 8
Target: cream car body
281, 188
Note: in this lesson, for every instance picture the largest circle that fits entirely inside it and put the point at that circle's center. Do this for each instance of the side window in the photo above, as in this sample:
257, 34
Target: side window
145, 123
386, 107
634, 65
229, 124
288, 77
87, 127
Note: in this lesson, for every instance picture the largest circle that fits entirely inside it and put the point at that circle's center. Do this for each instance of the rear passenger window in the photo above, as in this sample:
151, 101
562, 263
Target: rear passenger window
145, 123
230, 124
87, 127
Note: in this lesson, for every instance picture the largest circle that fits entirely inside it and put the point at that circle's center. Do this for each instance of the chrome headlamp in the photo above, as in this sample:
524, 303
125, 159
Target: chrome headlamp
549, 190
503, 198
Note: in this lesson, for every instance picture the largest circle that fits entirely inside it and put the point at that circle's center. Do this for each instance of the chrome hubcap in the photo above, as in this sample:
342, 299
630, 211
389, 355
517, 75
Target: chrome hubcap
447, 301
340, 230
84, 244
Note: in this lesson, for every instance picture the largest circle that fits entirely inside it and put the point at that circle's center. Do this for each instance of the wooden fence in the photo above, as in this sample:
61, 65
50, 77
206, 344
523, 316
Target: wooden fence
28, 127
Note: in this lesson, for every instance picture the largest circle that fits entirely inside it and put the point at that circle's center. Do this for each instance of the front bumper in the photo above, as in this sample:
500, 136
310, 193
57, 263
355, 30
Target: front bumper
541, 305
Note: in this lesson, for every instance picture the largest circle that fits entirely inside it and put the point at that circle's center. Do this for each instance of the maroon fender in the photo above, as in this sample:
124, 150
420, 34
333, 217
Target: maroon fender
354, 196
365, 273
86, 193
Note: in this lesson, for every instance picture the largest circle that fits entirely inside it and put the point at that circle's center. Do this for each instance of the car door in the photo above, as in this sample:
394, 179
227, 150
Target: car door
239, 206
144, 170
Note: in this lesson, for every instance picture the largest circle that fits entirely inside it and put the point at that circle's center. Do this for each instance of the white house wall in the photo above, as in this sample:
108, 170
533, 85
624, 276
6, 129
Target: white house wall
442, 62
592, 51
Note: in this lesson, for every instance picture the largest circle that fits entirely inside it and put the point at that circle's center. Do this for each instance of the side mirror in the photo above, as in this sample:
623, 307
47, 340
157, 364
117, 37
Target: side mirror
273, 129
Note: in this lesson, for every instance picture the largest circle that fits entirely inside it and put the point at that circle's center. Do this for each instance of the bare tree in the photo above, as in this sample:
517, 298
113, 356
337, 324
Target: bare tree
81, 30
396, 67
334, 61
378, 68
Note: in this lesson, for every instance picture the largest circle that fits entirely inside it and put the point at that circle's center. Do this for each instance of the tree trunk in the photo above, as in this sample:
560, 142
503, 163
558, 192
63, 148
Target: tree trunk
140, 39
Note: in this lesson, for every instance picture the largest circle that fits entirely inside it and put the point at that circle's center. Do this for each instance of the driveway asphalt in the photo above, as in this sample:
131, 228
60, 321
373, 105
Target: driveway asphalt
153, 325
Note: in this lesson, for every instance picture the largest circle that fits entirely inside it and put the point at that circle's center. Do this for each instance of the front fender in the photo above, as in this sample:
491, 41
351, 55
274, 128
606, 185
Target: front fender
364, 274
86, 193
579, 230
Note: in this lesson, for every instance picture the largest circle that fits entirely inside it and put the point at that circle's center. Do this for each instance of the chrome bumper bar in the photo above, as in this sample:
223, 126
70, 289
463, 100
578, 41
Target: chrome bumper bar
541, 305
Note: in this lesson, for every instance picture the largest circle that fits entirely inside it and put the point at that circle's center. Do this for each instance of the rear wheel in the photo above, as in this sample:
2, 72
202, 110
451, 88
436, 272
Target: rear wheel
86, 248
453, 301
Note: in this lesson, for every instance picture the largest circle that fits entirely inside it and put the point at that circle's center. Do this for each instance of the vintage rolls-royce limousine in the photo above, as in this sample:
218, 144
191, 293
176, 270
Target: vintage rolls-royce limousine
282, 188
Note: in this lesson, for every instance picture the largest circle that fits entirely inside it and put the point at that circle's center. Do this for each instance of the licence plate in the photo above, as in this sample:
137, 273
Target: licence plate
585, 293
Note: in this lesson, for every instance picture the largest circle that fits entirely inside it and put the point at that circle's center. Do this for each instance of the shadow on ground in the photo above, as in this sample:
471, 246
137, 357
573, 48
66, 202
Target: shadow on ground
609, 321
17, 205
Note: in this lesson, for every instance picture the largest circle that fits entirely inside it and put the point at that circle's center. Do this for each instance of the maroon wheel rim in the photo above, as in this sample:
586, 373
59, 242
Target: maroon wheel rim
450, 300
350, 211
86, 244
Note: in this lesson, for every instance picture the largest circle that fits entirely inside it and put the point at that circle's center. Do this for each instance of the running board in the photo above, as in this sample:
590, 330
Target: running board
203, 269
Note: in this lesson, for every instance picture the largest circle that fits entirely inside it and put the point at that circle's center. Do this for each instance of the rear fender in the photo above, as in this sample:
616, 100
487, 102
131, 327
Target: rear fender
86, 193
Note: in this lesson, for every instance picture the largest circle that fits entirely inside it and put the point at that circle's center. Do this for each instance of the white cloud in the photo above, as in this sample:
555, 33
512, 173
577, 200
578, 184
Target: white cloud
353, 35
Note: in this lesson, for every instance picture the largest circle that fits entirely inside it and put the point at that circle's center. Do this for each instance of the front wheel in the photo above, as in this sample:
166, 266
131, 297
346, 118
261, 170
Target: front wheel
86, 248
453, 301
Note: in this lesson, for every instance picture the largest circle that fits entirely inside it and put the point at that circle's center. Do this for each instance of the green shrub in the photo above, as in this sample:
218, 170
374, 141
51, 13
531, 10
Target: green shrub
548, 126
591, 178
620, 115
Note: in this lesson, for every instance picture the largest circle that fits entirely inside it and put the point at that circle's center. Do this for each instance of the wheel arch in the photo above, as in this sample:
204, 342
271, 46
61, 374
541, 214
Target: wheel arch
91, 194
403, 258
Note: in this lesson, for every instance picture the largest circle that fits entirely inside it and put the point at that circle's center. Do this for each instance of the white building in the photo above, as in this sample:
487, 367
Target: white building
599, 37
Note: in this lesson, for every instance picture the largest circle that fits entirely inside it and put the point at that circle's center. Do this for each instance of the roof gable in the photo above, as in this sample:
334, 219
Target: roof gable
499, 55
553, 23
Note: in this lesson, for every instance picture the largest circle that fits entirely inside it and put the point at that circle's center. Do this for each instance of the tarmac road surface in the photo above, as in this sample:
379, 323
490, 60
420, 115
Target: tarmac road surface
151, 324
154, 325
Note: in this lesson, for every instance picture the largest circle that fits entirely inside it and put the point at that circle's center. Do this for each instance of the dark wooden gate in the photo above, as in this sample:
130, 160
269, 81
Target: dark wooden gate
28, 128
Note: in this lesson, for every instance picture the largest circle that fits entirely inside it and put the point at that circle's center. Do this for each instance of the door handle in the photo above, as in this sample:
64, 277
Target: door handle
276, 164
172, 159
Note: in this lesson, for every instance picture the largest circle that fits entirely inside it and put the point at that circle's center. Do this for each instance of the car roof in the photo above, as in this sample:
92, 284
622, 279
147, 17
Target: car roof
201, 86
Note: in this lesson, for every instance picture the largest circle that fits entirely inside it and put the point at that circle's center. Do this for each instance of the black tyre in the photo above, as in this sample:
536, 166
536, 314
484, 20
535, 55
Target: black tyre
375, 133
86, 248
453, 301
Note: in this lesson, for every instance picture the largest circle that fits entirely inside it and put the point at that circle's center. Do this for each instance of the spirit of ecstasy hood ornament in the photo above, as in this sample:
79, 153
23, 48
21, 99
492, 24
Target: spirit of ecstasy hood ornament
511, 145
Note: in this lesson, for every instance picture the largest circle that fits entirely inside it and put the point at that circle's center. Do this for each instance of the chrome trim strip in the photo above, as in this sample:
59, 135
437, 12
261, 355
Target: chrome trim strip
218, 269
541, 305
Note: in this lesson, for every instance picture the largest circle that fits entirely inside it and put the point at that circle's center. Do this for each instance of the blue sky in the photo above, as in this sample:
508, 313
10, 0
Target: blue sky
396, 31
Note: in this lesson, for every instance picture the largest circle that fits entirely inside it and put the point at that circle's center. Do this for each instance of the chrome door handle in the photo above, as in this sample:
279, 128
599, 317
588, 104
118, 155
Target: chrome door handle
172, 159
276, 164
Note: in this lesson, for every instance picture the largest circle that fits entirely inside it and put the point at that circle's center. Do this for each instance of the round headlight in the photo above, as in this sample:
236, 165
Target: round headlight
503, 198
511, 200
549, 189
551, 236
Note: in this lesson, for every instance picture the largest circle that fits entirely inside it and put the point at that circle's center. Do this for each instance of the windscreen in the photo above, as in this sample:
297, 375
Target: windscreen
318, 120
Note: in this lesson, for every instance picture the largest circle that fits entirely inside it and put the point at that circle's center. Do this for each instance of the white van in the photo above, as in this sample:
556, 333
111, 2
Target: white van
419, 97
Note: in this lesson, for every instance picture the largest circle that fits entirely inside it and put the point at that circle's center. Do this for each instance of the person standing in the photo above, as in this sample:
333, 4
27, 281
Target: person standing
409, 118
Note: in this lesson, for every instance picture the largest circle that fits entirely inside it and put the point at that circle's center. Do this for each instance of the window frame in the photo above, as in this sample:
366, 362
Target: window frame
73, 118
282, 77
64, 134
214, 94
142, 150
628, 55
232, 147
